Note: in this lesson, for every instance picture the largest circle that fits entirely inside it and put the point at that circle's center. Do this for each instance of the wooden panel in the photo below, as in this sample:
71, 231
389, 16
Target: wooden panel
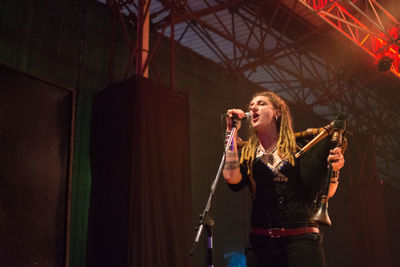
35, 134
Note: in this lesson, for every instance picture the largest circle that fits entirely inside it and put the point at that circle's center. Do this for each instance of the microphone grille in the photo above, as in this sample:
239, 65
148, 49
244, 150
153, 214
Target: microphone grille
249, 116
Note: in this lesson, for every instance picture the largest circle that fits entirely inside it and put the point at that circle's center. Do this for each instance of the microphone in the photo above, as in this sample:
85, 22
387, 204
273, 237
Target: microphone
247, 116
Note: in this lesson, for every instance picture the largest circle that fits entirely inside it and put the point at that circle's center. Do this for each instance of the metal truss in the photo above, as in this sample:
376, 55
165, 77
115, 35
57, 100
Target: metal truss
268, 44
370, 26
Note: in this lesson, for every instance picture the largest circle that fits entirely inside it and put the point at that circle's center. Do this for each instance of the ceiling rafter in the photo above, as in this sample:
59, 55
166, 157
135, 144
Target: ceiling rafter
368, 31
189, 15
274, 44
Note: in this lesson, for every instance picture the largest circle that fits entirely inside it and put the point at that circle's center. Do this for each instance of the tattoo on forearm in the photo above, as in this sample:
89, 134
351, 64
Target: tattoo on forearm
231, 154
231, 165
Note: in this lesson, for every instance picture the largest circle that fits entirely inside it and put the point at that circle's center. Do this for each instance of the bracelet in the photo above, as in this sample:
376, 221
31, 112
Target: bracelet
227, 134
335, 175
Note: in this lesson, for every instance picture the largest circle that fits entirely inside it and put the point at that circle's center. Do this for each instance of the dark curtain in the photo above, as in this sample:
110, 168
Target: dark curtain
362, 232
140, 212
368, 231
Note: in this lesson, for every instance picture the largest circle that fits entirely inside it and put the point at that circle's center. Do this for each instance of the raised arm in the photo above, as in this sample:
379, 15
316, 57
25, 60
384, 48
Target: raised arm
231, 171
337, 159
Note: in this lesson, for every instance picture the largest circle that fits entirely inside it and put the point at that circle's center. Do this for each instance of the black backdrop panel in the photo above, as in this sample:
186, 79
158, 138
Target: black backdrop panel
35, 119
140, 213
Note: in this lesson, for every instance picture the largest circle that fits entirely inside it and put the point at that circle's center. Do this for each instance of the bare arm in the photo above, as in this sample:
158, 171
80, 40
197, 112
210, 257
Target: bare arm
231, 171
337, 159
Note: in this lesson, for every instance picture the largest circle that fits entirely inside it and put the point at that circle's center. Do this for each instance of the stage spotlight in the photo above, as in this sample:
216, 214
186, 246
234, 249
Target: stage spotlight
385, 63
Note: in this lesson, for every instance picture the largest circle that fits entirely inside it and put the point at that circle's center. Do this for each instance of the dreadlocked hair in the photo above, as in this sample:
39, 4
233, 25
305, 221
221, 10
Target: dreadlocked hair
286, 145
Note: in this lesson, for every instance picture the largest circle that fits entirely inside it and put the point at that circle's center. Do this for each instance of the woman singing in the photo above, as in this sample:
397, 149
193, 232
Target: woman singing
283, 195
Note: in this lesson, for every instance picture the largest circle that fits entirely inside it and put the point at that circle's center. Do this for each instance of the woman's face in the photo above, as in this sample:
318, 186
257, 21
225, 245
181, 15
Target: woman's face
263, 113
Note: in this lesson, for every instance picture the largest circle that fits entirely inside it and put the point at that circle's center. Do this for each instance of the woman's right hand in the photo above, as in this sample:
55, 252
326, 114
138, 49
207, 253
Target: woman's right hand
231, 171
238, 113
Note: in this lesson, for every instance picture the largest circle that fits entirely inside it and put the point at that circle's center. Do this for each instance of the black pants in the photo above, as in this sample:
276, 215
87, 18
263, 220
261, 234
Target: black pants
295, 251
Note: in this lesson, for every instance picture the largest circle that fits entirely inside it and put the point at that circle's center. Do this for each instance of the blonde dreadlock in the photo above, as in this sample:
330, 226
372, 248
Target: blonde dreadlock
286, 145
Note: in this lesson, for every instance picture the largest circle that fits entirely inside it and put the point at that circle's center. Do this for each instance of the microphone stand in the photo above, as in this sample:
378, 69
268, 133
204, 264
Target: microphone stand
205, 220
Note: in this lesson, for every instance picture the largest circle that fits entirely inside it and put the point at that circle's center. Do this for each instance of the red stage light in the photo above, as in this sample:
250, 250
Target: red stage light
381, 44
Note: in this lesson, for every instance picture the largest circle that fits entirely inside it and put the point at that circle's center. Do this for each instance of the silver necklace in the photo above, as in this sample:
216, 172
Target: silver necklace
267, 155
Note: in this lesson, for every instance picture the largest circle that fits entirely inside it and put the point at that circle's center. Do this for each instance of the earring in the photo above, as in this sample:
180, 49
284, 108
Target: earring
276, 118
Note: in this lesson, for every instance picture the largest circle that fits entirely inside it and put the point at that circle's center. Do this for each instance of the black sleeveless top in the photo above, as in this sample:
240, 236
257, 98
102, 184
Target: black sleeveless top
286, 203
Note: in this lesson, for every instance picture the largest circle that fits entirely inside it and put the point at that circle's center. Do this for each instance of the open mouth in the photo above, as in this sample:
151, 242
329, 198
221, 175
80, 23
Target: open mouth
255, 116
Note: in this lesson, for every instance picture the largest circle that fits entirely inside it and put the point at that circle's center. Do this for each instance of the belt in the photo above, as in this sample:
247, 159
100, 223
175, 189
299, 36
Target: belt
282, 232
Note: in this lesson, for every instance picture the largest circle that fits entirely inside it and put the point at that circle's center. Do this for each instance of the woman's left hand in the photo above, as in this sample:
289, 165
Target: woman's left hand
336, 158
